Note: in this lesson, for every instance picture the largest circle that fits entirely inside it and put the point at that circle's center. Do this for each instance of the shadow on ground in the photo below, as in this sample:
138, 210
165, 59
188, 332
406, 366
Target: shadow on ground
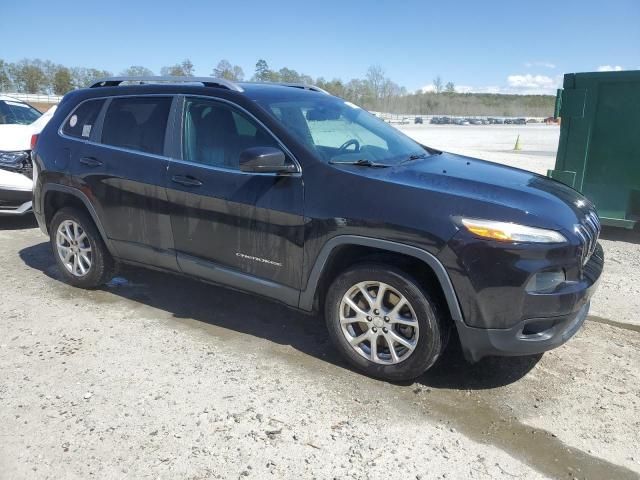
620, 235
190, 300
21, 222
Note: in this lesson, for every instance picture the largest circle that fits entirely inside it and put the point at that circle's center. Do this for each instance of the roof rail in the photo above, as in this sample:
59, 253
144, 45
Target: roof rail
206, 81
303, 86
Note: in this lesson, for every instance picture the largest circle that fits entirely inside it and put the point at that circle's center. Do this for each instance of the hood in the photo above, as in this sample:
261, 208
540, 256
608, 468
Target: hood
502, 193
18, 137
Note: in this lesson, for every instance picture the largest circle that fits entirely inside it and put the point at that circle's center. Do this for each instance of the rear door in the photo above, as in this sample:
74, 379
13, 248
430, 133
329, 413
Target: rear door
232, 227
123, 168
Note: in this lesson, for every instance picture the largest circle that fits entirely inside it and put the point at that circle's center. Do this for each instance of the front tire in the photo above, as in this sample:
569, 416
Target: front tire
384, 323
78, 248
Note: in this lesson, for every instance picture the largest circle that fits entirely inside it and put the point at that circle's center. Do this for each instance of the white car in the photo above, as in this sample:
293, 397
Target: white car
18, 123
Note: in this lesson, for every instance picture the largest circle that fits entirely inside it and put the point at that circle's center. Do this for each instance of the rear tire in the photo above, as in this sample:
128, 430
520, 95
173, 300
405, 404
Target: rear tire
395, 338
78, 248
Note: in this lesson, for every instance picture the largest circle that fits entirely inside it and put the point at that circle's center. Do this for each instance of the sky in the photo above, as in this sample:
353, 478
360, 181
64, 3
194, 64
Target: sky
515, 46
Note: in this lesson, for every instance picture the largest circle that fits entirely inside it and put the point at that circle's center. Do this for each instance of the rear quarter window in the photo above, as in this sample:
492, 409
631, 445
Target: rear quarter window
80, 123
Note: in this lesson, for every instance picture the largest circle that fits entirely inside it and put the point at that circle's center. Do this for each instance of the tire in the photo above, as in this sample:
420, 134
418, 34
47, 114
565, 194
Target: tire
428, 333
101, 267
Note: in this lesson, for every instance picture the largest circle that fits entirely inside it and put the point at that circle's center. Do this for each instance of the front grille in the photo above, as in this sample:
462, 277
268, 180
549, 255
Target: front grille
588, 232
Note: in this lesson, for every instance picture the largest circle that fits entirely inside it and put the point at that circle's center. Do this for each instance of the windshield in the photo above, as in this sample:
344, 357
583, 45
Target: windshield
17, 113
340, 131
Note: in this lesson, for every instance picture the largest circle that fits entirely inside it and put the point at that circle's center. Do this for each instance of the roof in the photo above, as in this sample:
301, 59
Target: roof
10, 99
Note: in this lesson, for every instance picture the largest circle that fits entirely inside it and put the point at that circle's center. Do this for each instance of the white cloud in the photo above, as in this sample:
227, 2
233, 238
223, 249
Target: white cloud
540, 64
472, 89
515, 85
610, 68
428, 88
530, 81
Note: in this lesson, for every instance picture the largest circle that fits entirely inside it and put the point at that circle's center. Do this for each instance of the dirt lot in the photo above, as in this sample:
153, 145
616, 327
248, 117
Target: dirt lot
164, 377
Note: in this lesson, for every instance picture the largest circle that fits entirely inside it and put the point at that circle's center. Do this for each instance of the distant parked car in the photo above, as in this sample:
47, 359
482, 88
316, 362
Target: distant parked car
533, 120
474, 121
418, 120
520, 121
460, 121
18, 122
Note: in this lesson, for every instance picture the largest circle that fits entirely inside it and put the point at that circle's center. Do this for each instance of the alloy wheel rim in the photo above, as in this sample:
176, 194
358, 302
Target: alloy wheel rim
379, 322
74, 248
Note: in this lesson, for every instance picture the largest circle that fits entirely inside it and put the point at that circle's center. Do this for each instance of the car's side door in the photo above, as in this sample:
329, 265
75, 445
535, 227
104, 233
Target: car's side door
122, 168
241, 229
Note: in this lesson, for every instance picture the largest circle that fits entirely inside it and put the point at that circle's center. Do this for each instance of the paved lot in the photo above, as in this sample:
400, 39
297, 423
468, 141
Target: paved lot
163, 377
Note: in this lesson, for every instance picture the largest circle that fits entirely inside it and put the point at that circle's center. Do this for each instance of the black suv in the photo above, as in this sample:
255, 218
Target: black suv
290, 193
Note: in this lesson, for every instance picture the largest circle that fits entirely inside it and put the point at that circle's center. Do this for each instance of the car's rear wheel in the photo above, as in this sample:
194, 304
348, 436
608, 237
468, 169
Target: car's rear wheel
384, 323
79, 251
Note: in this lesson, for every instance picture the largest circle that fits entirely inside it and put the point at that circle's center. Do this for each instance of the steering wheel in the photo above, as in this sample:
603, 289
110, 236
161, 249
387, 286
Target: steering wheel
348, 143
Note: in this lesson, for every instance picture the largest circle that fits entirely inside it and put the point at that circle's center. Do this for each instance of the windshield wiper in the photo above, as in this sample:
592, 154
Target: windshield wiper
361, 163
415, 156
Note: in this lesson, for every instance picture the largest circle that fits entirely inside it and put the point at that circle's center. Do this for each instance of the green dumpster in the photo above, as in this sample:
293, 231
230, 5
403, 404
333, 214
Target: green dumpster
599, 149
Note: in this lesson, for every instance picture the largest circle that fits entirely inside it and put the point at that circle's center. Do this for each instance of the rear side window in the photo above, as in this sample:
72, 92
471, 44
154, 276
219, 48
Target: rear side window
137, 123
83, 118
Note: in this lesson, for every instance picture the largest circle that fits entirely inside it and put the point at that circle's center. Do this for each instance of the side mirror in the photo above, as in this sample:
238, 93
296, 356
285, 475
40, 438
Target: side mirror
265, 160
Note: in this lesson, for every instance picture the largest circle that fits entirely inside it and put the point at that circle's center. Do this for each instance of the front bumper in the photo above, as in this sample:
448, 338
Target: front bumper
15, 202
538, 329
478, 343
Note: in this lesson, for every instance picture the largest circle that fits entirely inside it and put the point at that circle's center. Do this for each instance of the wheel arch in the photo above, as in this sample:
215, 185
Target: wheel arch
57, 196
330, 259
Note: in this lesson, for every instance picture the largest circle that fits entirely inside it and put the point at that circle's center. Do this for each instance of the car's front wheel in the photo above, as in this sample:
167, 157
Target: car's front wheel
79, 251
384, 323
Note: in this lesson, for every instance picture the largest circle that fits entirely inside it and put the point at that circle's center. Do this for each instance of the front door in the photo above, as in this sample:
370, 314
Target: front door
231, 227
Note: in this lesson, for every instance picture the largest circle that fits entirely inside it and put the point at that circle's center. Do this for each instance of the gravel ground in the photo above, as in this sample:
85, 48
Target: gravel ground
163, 377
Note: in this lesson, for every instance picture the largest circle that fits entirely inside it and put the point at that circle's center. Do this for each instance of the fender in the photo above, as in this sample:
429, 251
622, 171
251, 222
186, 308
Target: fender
308, 294
87, 203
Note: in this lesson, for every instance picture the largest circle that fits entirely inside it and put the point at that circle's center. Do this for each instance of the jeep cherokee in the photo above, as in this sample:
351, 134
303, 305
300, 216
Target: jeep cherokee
293, 194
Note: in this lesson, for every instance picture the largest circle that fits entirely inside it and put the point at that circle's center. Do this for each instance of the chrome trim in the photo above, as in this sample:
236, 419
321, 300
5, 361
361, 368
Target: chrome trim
178, 160
588, 232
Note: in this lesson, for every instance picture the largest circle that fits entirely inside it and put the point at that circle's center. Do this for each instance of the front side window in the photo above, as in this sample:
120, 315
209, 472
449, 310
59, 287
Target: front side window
341, 131
137, 123
215, 134
17, 113
81, 121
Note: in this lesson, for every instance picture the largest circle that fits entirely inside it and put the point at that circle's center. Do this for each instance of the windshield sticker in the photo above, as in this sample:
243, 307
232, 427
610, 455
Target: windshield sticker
352, 105
86, 130
73, 120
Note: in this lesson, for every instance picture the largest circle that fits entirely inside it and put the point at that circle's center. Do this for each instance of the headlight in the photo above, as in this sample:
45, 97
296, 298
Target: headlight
511, 232
14, 160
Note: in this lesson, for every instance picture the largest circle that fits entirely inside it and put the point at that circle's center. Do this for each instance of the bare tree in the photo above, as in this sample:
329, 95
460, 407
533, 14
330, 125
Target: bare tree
437, 84
225, 70
137, 71
184, 69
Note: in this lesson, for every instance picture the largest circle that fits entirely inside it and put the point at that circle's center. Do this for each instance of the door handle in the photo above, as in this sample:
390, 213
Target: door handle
187, 181
90, 161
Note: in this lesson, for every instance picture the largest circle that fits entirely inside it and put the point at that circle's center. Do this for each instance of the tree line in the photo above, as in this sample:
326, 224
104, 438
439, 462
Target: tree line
376, 91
